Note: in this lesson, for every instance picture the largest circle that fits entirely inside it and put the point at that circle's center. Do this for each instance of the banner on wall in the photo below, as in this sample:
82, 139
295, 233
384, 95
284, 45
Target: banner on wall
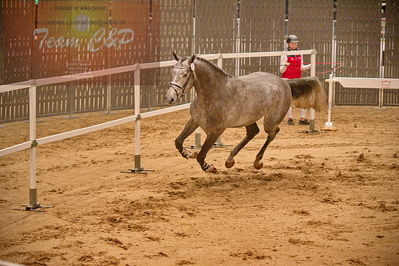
80, 36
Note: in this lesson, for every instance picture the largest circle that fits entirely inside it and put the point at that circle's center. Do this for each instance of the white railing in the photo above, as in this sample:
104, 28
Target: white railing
358, 82
32, 84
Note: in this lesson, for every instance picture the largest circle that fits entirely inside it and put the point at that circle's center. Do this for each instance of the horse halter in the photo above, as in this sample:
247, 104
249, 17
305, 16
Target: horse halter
183, 88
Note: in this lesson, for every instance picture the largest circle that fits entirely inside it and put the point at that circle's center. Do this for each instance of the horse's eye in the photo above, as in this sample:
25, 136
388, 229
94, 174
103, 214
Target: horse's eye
184, 75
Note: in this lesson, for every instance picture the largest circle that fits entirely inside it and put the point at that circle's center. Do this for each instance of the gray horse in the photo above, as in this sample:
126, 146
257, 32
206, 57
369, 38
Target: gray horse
224, 101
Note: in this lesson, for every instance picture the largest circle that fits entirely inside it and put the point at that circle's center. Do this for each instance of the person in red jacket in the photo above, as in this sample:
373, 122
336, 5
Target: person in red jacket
291, 67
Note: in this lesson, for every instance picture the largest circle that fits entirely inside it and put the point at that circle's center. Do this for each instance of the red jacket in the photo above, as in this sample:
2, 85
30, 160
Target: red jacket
293, 71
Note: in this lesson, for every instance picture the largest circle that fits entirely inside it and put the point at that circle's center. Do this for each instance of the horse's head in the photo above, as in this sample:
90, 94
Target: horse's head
182, 78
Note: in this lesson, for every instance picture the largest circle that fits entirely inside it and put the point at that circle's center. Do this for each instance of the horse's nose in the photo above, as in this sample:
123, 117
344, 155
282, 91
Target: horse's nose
169, 99
171, 96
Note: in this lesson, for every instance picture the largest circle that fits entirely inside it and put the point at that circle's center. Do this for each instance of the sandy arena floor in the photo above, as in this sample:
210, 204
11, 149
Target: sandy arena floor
321, 199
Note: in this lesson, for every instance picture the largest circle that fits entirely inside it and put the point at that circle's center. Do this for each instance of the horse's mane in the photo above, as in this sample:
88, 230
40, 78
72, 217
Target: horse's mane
213, 66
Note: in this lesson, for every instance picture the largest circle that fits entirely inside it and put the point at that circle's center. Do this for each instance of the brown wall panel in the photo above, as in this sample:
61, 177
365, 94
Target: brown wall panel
358, 35
312, 22
261, 29
16, 63
215, 28
392, 39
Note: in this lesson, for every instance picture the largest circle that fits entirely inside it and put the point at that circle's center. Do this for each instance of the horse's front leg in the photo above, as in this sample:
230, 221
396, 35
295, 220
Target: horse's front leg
209, 141
187, 131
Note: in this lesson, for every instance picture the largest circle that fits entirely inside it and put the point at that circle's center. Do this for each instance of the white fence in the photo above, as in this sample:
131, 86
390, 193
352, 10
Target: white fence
32, 84
367, 83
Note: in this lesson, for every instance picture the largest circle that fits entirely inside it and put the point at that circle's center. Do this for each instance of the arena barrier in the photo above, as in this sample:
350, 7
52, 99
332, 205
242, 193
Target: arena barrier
366, 83
32, 84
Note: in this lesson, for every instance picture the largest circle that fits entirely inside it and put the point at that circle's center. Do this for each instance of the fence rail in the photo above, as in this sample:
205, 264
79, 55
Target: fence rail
116, 70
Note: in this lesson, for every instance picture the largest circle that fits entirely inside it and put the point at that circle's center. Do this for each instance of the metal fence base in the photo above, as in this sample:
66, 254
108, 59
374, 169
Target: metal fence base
33, 204
219, 144
198, 145
35, 208
312, 129
137, 169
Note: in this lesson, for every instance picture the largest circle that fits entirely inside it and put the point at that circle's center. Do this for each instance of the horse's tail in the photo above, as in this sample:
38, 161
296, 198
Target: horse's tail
307, 93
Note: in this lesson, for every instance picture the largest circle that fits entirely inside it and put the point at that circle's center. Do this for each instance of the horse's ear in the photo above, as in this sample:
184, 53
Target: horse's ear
175, 56
192, 58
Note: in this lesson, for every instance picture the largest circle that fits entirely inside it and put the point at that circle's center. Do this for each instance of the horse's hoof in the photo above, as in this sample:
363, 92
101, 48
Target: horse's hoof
258, 165
211, 169
229, 163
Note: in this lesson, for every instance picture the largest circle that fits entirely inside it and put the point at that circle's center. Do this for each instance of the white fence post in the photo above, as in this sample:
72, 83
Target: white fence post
33, 204
137, 107
198, 143
32, 137
329, 124
137, 127
380, 97
381, 90
313, 63
312, 74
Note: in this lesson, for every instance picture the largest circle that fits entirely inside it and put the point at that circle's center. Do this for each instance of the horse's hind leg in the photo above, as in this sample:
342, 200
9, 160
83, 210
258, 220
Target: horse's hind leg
252, 130
187, 131
270, 137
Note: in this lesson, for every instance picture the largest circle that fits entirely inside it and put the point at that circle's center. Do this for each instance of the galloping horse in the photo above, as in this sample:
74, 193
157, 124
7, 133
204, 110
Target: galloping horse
224, 101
